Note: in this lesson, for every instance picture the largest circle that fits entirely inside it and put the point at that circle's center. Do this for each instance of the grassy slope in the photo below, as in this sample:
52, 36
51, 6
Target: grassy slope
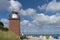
8, 36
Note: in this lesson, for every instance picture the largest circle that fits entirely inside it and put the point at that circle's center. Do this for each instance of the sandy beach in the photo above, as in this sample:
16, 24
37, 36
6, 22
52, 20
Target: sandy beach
40, 38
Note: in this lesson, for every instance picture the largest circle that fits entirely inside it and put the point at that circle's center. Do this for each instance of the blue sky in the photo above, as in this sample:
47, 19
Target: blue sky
37, 16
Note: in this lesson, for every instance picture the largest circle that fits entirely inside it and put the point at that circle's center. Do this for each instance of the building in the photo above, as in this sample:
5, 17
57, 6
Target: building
14, 23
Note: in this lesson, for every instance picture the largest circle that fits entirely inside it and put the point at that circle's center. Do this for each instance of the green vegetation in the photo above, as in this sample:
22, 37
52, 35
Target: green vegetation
47, 37
2, 28
4, 35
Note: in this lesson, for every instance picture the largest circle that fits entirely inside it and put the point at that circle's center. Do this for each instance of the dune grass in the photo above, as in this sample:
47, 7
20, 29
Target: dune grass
4, 35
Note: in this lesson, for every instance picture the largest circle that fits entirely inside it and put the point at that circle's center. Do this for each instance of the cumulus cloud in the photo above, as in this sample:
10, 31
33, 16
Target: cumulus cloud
51, 6
25, 23
10, 5
4, 4
5, 21
15, 5
40, 19
27, 12
42, 23
45, 20
43, 7
27, 27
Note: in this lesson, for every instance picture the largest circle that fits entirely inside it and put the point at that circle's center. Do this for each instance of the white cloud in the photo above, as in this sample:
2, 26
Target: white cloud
25, 23
4, 4
27, 12
43, 7
45, 20
15, 5
41, 19
5, 21
10, 5
42, 24
53, 6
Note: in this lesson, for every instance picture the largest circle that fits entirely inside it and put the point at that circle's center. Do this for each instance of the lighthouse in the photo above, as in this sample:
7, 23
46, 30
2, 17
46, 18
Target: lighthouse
14, 23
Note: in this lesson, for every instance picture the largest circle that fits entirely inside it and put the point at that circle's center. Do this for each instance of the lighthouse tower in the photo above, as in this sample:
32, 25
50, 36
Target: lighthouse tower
14, 23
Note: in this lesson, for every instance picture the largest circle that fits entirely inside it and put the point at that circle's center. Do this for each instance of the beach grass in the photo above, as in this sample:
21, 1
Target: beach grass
6, 35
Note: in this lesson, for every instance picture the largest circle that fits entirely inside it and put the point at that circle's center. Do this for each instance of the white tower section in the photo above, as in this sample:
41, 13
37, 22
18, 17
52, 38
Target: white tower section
14, 15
